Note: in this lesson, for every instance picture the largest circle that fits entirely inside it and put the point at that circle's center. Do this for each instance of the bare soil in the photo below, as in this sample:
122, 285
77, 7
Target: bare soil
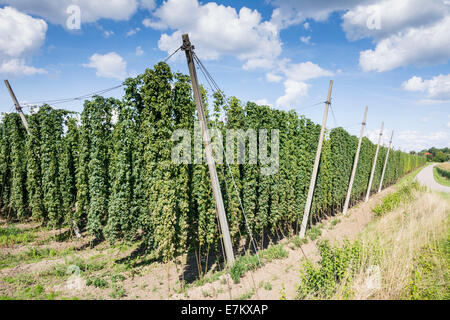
149, 280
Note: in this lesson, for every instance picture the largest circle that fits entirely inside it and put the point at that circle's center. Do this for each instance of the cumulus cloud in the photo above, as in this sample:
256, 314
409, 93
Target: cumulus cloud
413, 140
18, 67
148, 4
436, 88
132, 32
20, 36
110, 65
293, 92
91, 11
374, 135
293, 12
271, 77
139, 51
263, 102
399, 28
393, 16
218, 30
418, 46
20, 33
295, 75
305, 39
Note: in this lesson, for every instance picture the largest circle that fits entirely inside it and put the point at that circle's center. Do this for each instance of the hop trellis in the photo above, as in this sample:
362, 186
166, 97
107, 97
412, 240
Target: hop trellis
115, 179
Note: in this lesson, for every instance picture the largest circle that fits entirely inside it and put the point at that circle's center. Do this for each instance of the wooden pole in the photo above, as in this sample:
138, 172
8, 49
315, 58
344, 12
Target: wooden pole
386, 162
355, 164
220, 208
312, 185
374, 163
17, 105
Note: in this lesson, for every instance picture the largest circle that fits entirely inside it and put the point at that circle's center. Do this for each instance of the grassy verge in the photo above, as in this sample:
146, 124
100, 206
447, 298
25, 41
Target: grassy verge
31, 255
440, 179
403, 254
14, 236
396, 199
253, 262
409, 178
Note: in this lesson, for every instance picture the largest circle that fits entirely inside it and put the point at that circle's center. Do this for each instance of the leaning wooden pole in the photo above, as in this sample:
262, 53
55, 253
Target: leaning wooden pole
316, 165
372, 174
355, 164
188, 48
17, 105
385, 163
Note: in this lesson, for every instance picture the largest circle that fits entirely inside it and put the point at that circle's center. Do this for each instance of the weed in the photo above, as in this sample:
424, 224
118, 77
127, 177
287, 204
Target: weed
98, 282
394, 200
268, 286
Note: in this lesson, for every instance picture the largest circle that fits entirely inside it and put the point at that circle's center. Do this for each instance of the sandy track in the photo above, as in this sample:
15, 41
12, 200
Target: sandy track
426, 177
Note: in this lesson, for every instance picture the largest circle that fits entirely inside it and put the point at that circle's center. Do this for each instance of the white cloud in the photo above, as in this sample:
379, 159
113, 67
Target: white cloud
304, 71
139, 51
17, 67
108, 34
305, 39
110, 65
448, 124
306, 26
418, 46
296, 75
437, 88
148, 4
271, 77
393, 16
217, 30
399, 28
413, 140
132, 32
293, 92
293, 12
19, 33
91, 11
20, 36
263, 102
374, 135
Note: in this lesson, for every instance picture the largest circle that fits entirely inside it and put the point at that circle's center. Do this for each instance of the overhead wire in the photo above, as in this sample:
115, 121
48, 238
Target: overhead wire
85, 96
214, 84
219, 91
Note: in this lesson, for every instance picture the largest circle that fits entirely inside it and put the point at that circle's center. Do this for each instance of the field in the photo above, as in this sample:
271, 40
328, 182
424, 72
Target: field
442, 174
407, 224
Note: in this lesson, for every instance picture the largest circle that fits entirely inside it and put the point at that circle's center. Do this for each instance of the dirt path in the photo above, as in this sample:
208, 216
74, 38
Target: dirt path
426, 178
284, 275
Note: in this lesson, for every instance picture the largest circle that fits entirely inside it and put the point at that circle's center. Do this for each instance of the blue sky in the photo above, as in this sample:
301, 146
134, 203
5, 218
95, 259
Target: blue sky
390, 55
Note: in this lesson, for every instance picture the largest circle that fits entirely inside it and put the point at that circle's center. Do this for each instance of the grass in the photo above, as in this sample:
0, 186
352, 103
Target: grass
410, 177
440, 178
315, 232
404, 254
406, 240
14, 236
395, 199
98, 282
430, 279
247, 295
31, 255
252, 262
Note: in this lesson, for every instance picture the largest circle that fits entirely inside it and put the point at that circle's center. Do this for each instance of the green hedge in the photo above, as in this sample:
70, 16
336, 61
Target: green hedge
116, 180
443, 172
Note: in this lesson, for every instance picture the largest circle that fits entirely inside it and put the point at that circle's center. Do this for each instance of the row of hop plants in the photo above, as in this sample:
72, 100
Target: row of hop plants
109, 171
